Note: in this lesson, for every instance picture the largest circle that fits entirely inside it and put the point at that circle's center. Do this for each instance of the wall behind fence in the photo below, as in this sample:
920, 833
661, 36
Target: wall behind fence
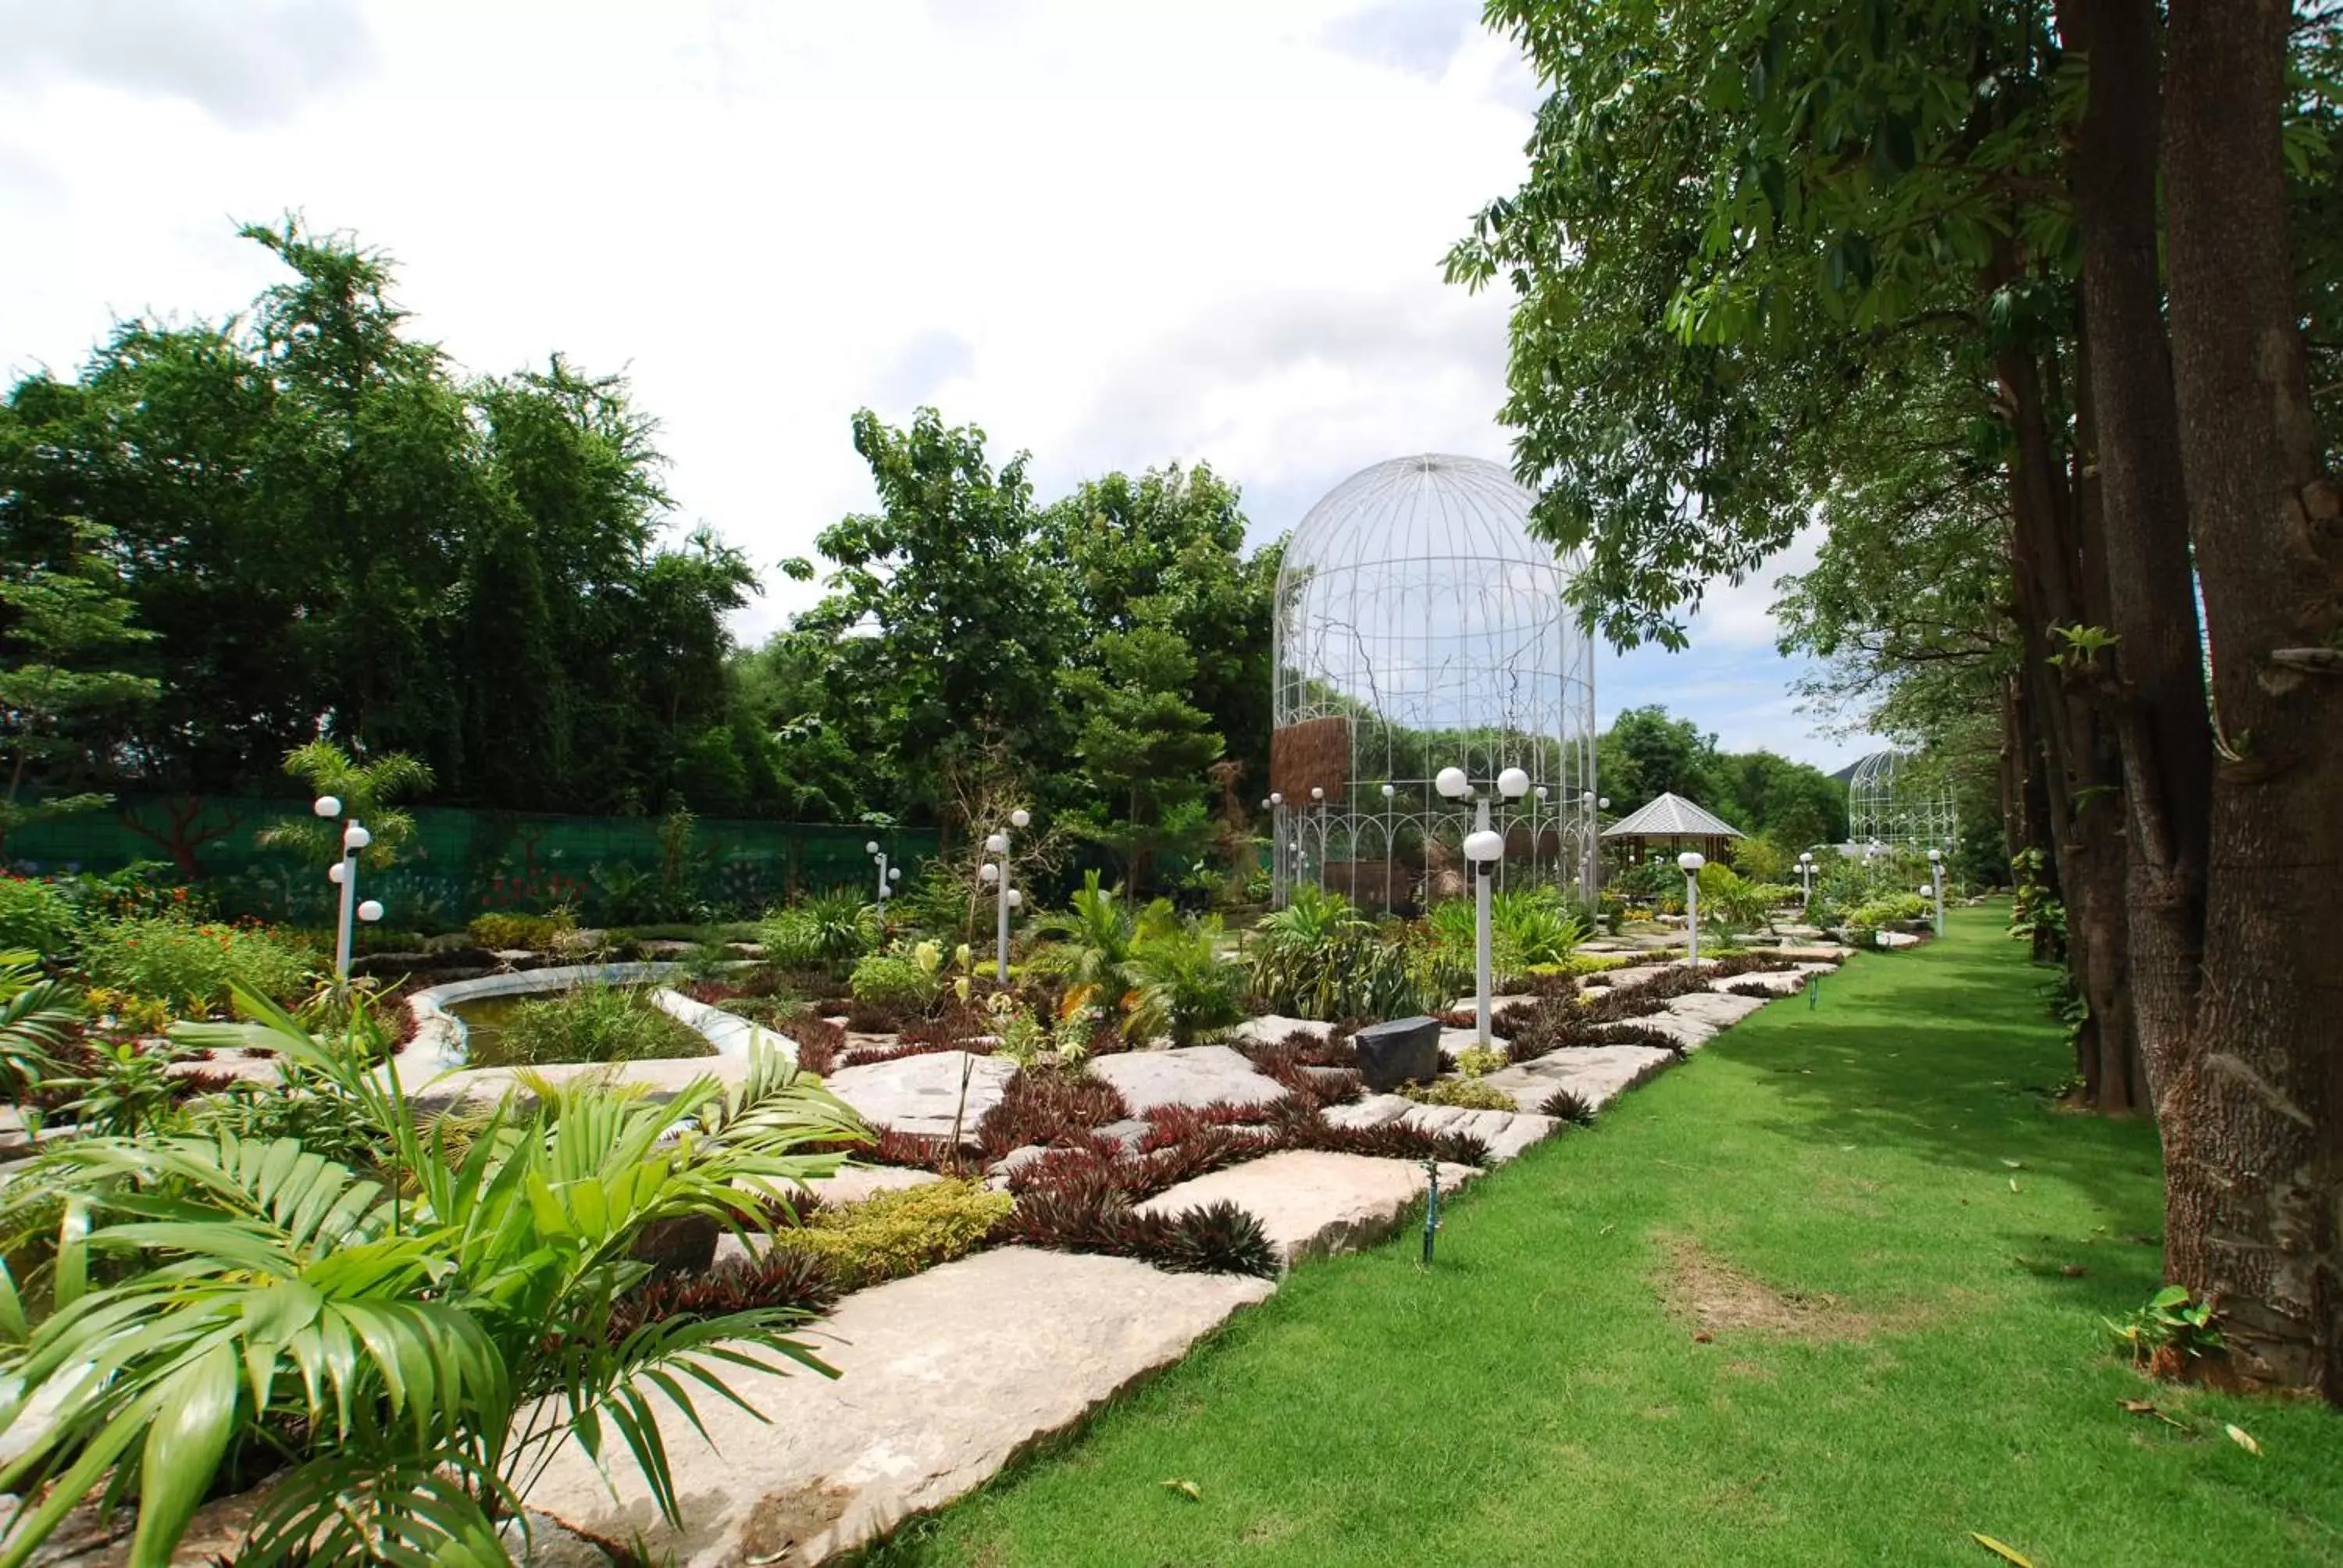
461, 863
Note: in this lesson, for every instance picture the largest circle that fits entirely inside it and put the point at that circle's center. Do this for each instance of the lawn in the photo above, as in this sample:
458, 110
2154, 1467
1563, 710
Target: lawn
1903, 1252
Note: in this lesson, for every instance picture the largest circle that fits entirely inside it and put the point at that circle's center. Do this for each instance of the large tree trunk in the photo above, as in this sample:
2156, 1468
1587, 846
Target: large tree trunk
2155, 691
2252, 1109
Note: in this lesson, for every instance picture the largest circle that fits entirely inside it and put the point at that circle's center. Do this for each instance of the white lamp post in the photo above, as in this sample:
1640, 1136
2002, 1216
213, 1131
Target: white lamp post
1277, 867
1807, 877
1008, 897
885, 876
1936, 885
1690, 862
345, 872
1484, 848
1390, 850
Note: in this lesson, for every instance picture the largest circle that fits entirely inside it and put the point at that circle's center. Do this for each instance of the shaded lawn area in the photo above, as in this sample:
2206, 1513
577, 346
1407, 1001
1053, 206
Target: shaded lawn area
1884, 1179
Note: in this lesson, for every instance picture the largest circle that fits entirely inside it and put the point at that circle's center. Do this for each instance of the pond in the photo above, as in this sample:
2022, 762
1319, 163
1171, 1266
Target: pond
590, 1023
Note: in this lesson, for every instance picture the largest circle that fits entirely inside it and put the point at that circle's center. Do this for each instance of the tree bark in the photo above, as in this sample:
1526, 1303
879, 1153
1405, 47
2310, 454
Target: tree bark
2252, 1108
2156, 698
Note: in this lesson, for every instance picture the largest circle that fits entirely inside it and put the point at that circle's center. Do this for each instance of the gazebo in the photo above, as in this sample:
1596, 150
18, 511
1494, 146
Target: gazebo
1671, 822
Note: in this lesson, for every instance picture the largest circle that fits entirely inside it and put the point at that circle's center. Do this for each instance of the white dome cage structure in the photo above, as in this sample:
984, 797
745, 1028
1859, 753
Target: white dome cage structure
1420, 627
1900, 800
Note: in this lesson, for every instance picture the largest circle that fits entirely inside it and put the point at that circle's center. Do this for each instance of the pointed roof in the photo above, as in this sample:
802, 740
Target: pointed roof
1671, 817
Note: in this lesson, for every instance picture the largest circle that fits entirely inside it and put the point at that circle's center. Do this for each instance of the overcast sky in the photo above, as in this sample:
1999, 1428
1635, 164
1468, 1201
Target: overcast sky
1110, 233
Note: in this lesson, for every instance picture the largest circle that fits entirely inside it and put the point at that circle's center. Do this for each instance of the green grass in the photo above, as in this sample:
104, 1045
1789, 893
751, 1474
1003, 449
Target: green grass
1533, 1400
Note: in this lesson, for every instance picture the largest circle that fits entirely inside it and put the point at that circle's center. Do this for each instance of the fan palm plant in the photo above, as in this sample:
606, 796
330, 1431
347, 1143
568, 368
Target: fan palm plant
417, 1341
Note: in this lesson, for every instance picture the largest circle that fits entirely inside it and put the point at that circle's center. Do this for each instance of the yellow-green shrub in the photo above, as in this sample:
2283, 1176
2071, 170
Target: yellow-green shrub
534, 933
1469, 1093
897, 1234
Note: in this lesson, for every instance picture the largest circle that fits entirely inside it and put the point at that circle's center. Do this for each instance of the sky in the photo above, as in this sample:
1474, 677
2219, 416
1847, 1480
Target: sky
1110, 233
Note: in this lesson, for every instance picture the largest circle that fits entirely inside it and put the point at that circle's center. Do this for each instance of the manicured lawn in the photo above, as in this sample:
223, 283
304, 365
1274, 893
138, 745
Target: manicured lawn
1892, 1164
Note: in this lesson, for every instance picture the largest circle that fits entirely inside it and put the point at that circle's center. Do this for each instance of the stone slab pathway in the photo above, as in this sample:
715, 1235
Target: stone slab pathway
1597, 1074
1313, 1204
946, 1377
921, 1095
1197, 1075
1271, 1028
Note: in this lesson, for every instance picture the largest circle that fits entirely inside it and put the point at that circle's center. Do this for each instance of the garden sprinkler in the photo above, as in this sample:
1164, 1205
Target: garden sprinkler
1813, 992
1431, 1206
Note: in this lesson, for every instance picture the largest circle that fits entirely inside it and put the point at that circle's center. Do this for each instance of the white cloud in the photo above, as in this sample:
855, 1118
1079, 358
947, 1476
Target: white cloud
1111, 234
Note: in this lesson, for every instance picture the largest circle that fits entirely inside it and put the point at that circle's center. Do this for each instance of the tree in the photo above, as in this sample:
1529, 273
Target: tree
1757, 210
58, 700
1645, 754
365, 789
1142, 741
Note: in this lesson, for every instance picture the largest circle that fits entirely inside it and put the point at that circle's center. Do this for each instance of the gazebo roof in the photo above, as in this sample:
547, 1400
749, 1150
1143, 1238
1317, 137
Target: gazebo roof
1671, 817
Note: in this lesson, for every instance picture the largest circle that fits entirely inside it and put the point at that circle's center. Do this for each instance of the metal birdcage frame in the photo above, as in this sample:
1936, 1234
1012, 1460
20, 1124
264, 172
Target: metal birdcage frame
1900, 800
1419, 626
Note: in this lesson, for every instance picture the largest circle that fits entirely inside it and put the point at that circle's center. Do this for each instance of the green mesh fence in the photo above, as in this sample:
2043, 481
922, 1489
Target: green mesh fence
460, 863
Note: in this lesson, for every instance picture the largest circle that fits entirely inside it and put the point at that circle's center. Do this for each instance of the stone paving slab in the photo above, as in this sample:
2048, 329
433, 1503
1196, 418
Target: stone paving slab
947, 1376
1497, 1004
1371, 1110
1313, 1204
1454, 1042
1689, 1033
1271, 1028
1634, 974
1506, 1133
1780, 982
661, 1080
1197, 1075
1597, 1074
1820, 952
1714, 1009
919, 1095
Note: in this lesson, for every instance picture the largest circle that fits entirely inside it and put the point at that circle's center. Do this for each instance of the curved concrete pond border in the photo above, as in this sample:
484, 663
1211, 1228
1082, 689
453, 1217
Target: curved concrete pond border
439, 1043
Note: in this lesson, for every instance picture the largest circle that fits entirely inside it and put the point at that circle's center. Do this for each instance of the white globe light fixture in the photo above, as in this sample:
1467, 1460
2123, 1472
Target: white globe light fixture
1690, 862
336, 872
355, 837
988, 873
1451, 782
1016, 897
1513, 783
1484, 846
370, 910
327, 806
1276, 797
1020, 819
1390, 791
1317, 792
996, 844
871, 847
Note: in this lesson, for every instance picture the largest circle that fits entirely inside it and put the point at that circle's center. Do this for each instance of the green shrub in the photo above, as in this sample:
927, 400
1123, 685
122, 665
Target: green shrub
827, 931
532, 933
1320, 958
1469, 1093
190, 966
1474, 1063
893, 980
592, 1023
1186, 989
897, 1234
35, 917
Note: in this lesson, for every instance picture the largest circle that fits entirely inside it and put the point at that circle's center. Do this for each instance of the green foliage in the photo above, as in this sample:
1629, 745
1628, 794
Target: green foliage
828, 931
193, 967
417, 1357
892, 1234
123, 1089
366, 791
36, 916
1473, 1062
1185, 988
2167, 1328
1530, 928
1093, 942
1467, 1093
1321, 958
895, 980
590, 1023
38, 1018
501, 932
1735, 903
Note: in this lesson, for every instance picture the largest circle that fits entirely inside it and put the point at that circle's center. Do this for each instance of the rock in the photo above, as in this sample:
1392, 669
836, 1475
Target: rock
1271, 1028
1497, 1004
1506, 1133
1313, 1203
1009, 1164
1689, 1033
946, 1376
1374, 1111
1896, 939
1780, 982
664, 949
538, 1541
1405, 1050
263, 1071
1714, 1009
1454, 1042
1636, 974
1597, 1074
1128, 1131
922, 1095
853, 1183
663, 1080
1197, 1075
1818, 952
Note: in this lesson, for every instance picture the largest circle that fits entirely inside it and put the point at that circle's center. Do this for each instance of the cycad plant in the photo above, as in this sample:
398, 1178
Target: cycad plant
365, 789
1096, 937
416, 1337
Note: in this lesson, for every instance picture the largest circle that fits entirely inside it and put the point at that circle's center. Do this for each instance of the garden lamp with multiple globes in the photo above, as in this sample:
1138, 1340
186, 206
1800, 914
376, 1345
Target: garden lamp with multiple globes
1936, 886
1007, 897
1485, 847
1806, 874
1690, 862
344, 873
888, 875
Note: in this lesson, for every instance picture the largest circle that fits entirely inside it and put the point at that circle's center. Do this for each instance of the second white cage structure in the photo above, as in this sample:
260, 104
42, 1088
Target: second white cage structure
1901, 800
1419, 627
